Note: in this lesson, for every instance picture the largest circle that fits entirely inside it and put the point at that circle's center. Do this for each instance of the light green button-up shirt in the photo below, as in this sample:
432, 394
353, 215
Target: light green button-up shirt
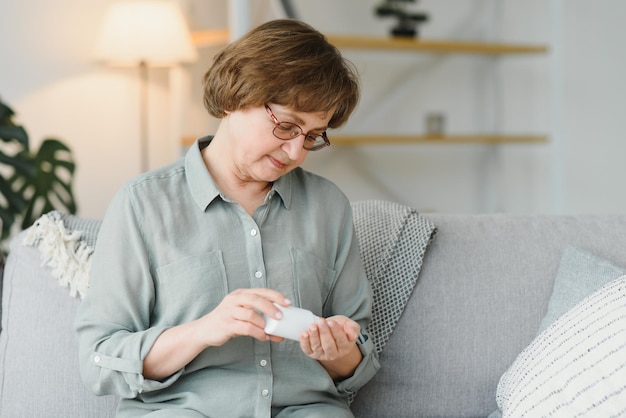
171, 246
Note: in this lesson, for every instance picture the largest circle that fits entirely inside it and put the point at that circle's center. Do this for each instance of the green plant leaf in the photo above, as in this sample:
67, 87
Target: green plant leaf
51, 187
20, 163
5, 113
15, 164
31, 185
14, 133
13, 204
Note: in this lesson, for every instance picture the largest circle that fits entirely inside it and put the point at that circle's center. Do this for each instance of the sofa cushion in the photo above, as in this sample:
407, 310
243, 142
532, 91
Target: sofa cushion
579, 275
39, 375
576, 366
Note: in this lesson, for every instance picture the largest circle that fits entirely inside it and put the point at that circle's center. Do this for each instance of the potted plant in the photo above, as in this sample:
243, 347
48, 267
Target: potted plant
31, 183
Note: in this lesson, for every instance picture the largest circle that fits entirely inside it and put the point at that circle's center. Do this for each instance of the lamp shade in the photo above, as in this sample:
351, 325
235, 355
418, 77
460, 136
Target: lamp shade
148, 31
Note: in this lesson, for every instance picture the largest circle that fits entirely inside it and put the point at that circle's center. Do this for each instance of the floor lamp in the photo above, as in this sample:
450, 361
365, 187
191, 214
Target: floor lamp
143, 33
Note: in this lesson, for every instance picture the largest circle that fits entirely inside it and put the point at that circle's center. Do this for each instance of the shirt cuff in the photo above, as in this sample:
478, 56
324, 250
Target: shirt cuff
366, 369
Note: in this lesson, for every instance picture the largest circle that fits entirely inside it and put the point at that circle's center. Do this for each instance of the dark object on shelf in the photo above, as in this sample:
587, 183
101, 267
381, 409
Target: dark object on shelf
406, 26
289, 9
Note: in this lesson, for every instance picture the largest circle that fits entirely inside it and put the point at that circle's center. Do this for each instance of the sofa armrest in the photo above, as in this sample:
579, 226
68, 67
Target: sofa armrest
39, 375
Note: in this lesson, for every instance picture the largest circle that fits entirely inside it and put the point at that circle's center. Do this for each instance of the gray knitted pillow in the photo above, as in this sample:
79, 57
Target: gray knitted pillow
88, 227
393, 239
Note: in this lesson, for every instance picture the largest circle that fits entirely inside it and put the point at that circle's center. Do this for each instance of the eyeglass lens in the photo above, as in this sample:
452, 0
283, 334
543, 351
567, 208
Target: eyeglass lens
289, 130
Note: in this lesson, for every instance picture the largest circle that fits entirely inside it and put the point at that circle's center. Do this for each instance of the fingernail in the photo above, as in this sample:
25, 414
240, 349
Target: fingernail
278, 315
287, 301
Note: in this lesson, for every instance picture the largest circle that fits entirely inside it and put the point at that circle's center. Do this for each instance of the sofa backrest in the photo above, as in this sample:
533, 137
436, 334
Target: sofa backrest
481, 295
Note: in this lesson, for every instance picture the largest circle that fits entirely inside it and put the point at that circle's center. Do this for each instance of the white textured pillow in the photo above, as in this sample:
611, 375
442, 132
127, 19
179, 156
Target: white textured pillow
576, 367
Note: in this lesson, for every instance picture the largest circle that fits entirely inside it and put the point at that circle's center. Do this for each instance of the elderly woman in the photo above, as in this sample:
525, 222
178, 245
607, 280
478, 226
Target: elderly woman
193, 257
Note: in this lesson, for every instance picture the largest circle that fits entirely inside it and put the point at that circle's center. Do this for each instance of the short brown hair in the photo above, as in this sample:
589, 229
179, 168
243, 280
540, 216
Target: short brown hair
286, 62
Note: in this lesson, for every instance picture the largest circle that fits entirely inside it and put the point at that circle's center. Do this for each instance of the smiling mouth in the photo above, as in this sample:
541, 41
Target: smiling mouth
277, 163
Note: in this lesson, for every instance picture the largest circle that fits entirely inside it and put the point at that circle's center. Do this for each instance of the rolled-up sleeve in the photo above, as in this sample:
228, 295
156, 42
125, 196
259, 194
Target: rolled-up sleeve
365, 370
113, 321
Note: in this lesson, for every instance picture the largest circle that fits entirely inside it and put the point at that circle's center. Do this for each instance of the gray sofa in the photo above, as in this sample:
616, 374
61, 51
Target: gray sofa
480, 295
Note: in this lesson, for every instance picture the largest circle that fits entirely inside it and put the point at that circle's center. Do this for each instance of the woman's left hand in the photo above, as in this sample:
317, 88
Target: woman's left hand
330, 339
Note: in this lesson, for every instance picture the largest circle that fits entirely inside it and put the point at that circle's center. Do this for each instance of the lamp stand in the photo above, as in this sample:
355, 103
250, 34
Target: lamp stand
141, 32
143, 116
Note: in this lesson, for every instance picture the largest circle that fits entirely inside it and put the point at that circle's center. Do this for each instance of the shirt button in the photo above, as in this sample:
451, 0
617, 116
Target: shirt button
263, 363
258, 274
265, 393
253, 232
96, 359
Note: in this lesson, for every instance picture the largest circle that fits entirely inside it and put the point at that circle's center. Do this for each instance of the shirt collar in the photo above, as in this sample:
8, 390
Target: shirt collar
283, 186
203, 187
201, 184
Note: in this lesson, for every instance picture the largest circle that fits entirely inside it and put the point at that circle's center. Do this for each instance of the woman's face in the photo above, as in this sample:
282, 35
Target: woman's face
260, 156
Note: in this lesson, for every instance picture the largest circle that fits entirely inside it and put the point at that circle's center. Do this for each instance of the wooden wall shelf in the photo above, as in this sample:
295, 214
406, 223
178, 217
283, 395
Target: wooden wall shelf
434, 46
206, 38
356, 140
352, 140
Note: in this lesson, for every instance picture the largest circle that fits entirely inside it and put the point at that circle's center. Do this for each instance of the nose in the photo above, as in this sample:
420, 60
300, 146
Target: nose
294, 147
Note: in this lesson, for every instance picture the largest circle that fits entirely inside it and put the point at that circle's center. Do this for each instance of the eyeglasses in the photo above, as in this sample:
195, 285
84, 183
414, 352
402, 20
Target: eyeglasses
288, 130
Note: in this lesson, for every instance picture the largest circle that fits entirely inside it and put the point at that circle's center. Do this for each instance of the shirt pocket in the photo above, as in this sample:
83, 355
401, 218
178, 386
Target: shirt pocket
313, 280
190, 287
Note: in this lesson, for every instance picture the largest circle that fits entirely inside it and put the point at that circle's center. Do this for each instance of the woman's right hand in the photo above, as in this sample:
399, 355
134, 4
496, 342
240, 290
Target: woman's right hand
241, 314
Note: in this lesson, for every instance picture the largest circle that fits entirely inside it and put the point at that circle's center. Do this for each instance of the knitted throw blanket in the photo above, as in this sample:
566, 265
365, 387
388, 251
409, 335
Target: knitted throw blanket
393, 239
63, 250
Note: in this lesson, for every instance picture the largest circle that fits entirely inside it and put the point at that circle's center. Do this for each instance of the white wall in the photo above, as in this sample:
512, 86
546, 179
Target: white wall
594, 105
574, 94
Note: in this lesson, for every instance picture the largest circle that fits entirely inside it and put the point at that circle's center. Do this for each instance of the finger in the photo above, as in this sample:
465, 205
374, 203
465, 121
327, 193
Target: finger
250, 316
350, 327
268, 294
312, 343
250, 323
338, 333
352, 330
305, 343
327, 337
258, 300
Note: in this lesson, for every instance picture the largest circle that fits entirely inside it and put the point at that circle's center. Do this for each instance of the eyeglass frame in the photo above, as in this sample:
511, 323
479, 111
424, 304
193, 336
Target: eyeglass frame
278, 123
